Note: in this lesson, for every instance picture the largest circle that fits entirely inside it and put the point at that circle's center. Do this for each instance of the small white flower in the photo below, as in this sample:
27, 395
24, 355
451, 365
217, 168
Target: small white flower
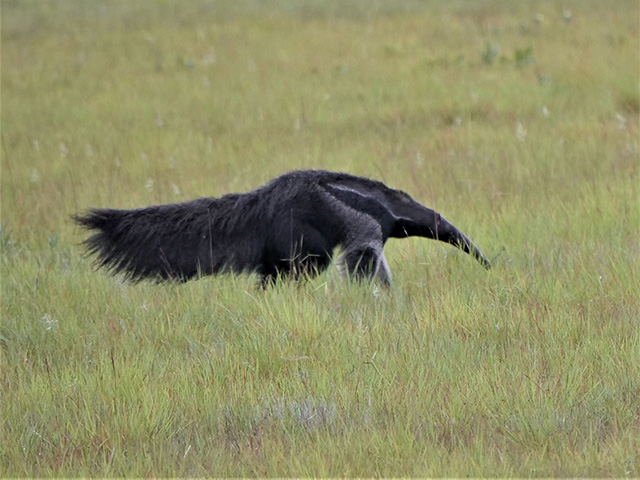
545, 111
35, 176
521, 133
149, 184
49, 322
209, 58
622, 121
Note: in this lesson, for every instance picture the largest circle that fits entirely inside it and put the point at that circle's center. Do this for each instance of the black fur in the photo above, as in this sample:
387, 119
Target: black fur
290, 226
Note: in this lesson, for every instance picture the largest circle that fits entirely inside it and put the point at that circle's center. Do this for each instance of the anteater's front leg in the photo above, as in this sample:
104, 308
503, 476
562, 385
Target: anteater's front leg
363, 257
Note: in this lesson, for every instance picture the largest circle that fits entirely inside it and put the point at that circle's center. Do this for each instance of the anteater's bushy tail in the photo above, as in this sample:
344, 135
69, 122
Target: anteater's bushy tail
162, 242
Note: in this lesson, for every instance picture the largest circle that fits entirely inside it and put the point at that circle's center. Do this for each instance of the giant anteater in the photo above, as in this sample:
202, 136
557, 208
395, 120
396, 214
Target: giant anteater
288, 227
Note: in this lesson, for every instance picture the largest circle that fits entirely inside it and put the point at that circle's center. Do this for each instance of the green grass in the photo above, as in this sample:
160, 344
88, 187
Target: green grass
516, 120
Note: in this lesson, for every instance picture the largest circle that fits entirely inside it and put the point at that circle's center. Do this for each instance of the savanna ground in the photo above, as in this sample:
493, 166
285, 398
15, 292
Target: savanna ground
518, 121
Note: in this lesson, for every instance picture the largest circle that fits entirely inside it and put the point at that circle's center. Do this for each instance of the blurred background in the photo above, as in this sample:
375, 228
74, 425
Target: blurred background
494, 106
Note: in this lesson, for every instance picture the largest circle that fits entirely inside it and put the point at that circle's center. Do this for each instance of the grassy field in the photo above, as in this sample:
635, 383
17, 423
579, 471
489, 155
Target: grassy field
518, 121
